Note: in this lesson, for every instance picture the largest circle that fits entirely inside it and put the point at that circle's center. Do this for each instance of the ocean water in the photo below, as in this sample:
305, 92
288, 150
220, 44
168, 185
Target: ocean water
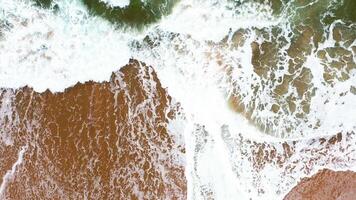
266, 89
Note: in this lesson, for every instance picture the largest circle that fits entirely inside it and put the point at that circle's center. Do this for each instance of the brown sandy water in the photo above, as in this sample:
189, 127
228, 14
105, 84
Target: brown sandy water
326, 185
94, 141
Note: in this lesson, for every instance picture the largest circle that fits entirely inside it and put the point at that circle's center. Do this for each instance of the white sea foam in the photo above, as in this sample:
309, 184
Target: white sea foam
8, 118
47, 50
212, 19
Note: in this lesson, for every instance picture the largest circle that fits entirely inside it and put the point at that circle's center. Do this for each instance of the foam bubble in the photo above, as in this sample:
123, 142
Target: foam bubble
117, 3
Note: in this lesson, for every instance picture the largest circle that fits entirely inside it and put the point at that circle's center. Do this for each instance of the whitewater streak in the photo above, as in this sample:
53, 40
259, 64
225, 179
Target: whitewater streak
48, 50
11, 173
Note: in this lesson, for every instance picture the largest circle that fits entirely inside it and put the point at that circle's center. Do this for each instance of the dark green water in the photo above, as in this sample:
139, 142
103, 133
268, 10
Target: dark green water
136, 15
